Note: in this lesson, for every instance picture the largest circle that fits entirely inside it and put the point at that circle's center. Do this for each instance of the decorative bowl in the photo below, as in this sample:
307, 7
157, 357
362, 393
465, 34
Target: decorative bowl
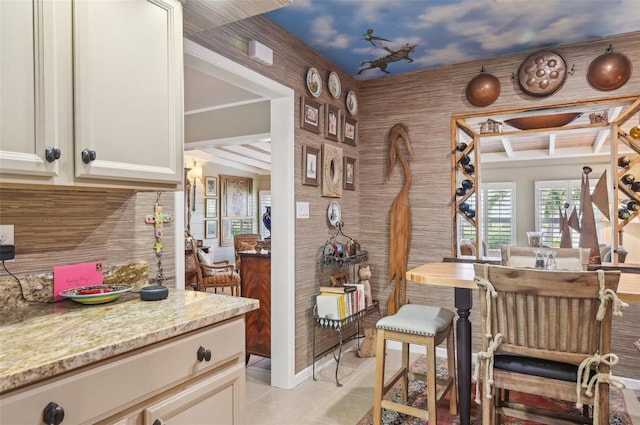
483, 90
96, 294
543, 121
609, 71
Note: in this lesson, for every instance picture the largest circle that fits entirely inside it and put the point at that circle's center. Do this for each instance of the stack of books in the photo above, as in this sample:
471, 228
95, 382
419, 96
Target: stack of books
340, 302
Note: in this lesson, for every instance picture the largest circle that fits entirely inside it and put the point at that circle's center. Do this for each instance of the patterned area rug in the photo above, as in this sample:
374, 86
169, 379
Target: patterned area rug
618, 414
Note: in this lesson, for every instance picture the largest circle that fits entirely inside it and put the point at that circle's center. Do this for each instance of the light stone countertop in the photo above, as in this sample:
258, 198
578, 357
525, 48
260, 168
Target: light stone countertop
44, 340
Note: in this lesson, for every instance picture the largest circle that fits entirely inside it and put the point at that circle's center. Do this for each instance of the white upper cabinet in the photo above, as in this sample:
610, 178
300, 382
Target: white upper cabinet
97, 83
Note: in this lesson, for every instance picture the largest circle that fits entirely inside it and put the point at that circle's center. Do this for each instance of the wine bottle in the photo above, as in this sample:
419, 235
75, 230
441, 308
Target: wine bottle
464, 207
470, 213
461, 191
464, 160
461, 146
635, 186
631, 204
467, 184
469, 169
628, 179
624, 161
623, 213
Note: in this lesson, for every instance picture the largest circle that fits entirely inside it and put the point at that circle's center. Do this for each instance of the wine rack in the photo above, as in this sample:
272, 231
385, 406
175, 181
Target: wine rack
464, 158
627, 180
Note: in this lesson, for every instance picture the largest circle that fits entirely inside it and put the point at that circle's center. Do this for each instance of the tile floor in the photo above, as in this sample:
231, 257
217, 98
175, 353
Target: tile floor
321, 402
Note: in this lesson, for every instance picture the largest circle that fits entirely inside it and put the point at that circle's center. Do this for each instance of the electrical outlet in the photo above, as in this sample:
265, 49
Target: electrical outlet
6, 234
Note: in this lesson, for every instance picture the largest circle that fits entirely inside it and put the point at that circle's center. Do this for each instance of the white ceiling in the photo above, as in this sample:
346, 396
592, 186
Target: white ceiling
204, 93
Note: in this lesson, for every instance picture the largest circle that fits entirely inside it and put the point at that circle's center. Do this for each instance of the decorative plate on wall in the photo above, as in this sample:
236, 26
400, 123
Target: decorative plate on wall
334, 85
542, 73
314, 83
334, 213
352, 103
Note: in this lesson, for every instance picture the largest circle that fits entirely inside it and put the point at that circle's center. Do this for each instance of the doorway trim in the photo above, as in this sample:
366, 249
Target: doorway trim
282, 200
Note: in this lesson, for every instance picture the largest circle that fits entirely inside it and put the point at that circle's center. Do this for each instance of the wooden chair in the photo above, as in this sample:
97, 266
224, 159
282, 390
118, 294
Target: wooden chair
244, 242
539, 327
219, 274
524, 256
422, 325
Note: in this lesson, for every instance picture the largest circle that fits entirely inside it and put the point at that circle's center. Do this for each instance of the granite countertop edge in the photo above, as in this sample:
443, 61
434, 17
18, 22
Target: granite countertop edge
49, 340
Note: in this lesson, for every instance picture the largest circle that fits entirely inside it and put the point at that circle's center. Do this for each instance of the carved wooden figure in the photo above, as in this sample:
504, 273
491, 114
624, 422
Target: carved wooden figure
400, 219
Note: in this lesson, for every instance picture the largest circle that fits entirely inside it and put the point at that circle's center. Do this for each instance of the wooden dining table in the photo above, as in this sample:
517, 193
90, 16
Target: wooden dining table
460, 277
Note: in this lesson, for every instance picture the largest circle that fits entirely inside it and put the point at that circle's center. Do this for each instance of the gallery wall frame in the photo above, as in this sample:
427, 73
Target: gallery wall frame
350, 131
310, 115
331, 170
210, 186
310, 166
211, 229
211, 207
235, 207
332, 123
349, 169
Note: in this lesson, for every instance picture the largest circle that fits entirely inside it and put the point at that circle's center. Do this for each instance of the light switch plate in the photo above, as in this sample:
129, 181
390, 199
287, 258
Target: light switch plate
302, 210
6, 234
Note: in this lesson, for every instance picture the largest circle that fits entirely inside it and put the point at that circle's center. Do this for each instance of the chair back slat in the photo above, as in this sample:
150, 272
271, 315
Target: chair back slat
547, 314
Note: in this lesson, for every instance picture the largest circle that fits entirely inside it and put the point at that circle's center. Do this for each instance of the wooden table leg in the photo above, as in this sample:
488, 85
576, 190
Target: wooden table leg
463, 302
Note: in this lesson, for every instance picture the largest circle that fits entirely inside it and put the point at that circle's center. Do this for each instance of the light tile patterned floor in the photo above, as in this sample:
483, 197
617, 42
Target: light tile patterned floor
321, 402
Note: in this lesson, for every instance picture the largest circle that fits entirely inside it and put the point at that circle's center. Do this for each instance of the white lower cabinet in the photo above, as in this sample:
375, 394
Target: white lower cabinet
197, 378
212, 400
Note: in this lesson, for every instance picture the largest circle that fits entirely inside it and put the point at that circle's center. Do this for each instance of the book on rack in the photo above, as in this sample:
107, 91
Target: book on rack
337, 289
358, 296
331, 306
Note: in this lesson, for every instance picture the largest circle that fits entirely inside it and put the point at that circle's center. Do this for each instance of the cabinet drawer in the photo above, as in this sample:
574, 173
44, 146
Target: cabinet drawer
112, 385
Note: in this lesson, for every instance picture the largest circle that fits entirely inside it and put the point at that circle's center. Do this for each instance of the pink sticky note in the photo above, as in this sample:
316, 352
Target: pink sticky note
74, 276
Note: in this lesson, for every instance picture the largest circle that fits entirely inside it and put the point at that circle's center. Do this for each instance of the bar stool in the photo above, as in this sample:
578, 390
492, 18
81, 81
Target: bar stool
422, 325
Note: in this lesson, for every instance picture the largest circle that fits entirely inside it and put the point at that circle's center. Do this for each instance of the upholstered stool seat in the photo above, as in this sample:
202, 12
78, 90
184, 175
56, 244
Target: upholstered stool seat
421, 325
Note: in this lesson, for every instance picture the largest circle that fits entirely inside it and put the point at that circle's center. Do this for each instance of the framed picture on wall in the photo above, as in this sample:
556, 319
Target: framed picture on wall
211, 207
211, 229
211, 186
235, 207
310, 115
310, 169
332, 123
349, 169
350, 129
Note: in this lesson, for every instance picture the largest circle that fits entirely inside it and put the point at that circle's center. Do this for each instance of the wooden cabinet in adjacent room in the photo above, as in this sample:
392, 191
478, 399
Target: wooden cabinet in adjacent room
255, 273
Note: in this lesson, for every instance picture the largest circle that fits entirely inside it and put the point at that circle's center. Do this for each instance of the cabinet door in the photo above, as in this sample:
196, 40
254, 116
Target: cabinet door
28, 94
255, 271
128, 90
218, 399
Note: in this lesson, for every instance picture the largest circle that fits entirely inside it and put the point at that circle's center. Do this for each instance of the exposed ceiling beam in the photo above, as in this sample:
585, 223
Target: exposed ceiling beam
506, 144
213, 159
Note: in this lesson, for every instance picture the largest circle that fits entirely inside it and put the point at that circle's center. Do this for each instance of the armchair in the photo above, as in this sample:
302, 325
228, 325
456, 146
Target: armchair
219, 274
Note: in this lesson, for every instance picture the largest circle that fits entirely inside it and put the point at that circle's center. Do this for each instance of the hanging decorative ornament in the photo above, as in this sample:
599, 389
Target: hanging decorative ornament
542, 73
483, 89
609, 71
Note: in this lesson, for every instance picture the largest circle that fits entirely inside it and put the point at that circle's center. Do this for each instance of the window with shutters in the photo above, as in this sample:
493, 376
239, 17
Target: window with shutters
498, 215
497, 219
